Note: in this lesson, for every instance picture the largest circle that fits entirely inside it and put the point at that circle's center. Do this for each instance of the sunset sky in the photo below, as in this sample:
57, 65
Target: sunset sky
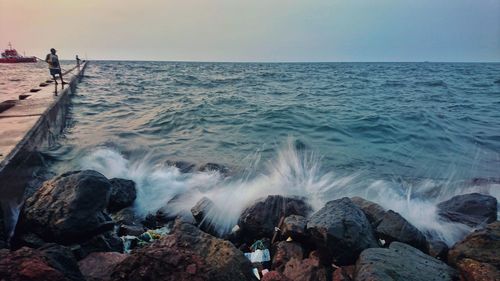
256, 30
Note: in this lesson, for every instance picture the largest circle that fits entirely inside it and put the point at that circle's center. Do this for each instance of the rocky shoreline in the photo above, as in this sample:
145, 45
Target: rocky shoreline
81, 226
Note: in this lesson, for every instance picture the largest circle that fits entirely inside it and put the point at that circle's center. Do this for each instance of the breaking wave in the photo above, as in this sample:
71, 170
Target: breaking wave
292, 172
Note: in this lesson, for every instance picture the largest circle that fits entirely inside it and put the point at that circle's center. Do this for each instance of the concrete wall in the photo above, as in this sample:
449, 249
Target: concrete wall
18, 167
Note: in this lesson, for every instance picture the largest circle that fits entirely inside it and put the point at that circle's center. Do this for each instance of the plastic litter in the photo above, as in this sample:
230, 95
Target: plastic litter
289, 239
259, 256
256, 273
130, 242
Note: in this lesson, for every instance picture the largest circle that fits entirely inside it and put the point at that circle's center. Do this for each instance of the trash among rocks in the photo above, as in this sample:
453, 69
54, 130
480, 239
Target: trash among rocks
259, 256
256, 273
130, 242
289, 239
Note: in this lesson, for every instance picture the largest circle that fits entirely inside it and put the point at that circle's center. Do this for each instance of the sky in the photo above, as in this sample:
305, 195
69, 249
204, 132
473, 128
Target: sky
255, 30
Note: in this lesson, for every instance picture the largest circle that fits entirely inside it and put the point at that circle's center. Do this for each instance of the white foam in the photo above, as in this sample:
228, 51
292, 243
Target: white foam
291, 173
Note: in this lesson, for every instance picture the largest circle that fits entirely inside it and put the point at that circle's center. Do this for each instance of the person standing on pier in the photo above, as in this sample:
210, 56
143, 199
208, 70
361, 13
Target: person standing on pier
54, 66
77, 61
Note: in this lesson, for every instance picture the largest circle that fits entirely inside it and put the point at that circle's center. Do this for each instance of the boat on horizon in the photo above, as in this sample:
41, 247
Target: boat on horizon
10, 55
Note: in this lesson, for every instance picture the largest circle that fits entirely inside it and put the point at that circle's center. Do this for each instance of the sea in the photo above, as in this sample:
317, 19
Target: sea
404, 135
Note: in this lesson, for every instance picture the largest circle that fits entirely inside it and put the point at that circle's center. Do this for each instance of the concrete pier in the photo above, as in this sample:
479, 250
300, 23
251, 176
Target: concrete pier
27, 125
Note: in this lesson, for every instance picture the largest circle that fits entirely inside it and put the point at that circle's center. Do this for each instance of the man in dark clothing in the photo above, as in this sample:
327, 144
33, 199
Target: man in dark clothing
54, 66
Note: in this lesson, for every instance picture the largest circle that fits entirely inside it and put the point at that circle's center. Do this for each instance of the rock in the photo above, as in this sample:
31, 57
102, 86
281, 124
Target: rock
401, 262
185, 254
438, 249
123, 194
305, 270
133, 230
343, 273
284, 252
27, 264
373, 211
470, 209
482, 246
221, 169
472, 270
183, 166
126, 216
61, 258
260, 219
106, 242
27, 239
341, 228
294, 226
69, 208
200, 211
394, 227
99, 266
274, 276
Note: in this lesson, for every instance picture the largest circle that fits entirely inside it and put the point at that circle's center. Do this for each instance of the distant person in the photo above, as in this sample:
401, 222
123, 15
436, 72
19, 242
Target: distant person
54, 66
77, 61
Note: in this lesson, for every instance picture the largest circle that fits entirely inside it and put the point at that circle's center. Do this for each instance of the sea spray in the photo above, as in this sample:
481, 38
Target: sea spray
292, 172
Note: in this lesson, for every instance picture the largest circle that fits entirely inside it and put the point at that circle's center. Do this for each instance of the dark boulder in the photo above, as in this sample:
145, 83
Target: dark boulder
341, 228
260, 219
438, 249
373, 211
69, 208
205, 207
99, 266
284, 252
482, 246
309, 269
186, 254
27, 264
294, 226
61, 258
183, 166
401, 262
123, 194
214, 167
394, 227
106, 242
470, 209
126, 216
133, 230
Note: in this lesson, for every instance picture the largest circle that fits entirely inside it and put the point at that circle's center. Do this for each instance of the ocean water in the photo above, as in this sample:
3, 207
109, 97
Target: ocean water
405, 135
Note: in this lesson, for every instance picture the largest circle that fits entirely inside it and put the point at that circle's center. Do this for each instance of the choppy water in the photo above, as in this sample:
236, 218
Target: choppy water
406, 135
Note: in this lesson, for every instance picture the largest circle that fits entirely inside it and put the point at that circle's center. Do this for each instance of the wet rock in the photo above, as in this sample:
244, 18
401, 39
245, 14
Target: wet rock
200, 211
472, 270
274, 276
183, 166
401, 262
482, 246
133, 230
343, 273
106, 242
438, 249
123, 194
99, 266
284, 252
61, 258
373, 211
27, 264
260, 219
223, 170
294, 226
126, 216
308, 269
341, 228
68, 208
27, 239
470, 209
185, 254
394, 227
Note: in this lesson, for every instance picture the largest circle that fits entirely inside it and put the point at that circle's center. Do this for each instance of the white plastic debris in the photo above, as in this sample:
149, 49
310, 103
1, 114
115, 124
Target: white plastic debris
259, 256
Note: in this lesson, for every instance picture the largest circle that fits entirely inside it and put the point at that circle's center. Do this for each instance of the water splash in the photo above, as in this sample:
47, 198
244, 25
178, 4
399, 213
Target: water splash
293, 172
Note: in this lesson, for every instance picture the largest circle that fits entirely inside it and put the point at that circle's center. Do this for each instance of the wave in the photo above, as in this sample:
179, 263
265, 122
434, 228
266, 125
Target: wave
293, 172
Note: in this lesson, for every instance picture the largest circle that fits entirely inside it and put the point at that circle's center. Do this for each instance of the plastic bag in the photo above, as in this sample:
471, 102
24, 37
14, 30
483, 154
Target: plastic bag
259, 256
